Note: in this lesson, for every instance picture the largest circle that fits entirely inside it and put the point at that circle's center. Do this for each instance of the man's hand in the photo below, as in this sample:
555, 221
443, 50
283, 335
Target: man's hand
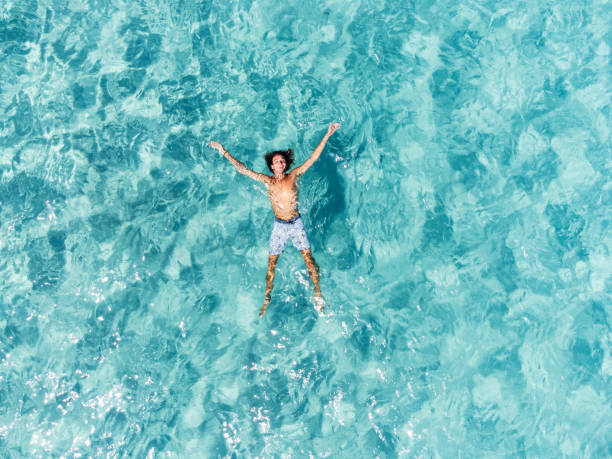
216, 146
333, 127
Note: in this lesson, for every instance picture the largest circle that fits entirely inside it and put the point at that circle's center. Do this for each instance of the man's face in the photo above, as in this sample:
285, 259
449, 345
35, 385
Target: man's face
278, 164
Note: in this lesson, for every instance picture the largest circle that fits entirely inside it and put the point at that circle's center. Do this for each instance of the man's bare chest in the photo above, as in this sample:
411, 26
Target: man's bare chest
283, 190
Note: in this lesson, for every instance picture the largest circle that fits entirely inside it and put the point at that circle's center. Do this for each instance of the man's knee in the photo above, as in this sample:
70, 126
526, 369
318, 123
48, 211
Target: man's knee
309, 260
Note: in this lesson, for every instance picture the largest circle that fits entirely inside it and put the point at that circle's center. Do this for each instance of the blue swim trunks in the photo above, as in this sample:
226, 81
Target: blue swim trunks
288, 229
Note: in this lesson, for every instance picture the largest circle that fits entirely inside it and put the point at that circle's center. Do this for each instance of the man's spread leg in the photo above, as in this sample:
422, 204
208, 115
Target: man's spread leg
313, 271
272, 259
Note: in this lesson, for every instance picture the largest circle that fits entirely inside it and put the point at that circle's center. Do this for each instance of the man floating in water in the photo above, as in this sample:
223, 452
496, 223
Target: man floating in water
283, 193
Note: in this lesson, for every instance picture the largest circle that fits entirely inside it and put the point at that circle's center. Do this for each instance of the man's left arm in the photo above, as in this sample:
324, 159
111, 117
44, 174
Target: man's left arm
333, 127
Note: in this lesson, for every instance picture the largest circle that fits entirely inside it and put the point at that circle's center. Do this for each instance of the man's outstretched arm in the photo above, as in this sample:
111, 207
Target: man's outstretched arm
238, 165
333, 127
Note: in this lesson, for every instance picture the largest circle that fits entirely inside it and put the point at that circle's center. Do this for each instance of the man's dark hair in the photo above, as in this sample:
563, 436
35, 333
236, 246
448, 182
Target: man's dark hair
287, 154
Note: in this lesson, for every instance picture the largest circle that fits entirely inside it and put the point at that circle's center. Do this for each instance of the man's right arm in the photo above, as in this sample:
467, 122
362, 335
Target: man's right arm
238, 165
333, 127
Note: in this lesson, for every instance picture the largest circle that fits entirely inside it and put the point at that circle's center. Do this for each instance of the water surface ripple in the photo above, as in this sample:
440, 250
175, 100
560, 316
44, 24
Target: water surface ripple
460, 218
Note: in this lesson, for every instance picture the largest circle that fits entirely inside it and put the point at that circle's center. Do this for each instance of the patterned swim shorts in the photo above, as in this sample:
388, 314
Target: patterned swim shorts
283, 230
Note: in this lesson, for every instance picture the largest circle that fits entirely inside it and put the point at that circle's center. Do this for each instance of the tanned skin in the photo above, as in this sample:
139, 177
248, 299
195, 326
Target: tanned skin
283, 193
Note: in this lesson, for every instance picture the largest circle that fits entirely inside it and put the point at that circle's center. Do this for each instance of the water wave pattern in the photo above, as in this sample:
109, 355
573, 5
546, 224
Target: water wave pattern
460, 218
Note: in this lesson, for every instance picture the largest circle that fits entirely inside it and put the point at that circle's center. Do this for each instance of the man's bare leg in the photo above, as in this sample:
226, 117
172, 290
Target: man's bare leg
272, 259
313, 271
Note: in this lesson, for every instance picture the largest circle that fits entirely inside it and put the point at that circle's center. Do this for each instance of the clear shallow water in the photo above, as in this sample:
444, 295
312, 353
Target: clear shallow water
460, 219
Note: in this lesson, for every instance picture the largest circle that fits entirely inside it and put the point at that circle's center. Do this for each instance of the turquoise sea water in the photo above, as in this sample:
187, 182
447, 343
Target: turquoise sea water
460, 218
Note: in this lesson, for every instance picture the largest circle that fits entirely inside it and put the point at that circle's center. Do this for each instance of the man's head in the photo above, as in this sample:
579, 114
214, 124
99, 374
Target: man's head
275, 160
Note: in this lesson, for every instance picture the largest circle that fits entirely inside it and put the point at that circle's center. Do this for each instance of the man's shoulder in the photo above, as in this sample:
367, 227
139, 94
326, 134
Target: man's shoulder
267, 179
294, 174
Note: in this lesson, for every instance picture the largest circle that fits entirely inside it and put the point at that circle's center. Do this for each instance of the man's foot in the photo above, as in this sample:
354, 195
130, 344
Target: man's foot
319, 302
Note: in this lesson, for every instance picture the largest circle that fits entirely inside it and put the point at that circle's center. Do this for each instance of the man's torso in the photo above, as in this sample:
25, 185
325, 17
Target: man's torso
283, 196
